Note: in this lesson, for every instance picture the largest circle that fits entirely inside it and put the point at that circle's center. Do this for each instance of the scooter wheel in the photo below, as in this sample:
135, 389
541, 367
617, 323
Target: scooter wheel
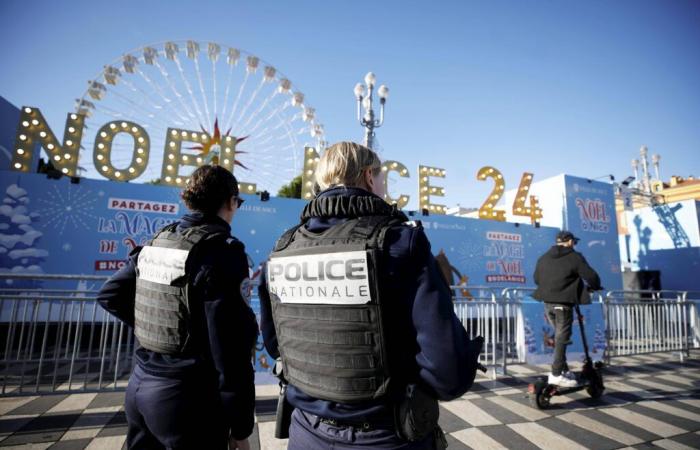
595, 388
594, 391
539, 399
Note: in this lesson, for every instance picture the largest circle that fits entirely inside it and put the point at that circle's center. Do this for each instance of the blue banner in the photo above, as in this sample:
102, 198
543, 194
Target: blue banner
590, 215
89, 227
486, 252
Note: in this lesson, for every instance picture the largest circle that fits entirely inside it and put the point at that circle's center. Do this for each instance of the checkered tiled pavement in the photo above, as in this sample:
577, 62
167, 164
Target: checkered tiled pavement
651, 401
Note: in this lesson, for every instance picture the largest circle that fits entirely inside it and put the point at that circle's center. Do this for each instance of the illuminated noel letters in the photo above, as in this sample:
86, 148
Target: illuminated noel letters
426, 190
174, 158
221, 149
399, 168
33, 129
308, 176
102, 155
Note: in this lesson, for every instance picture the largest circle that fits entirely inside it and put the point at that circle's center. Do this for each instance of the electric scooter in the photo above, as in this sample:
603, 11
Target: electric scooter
590, 378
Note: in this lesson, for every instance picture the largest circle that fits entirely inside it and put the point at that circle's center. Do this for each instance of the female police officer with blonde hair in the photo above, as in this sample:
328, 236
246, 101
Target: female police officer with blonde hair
354, 304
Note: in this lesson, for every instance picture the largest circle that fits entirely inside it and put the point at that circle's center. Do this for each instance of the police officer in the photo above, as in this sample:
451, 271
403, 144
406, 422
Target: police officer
560, 274
355, 304
186, 295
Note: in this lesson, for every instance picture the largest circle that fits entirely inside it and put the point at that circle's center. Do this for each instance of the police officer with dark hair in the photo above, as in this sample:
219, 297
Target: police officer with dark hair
560, 274
186, 295
355, 305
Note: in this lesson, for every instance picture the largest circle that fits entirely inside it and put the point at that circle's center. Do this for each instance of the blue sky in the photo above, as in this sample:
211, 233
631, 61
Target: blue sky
547, 87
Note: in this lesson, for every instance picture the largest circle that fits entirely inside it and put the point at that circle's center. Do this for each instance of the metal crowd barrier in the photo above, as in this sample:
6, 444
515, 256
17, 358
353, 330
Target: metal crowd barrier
54, 337
484, 312
640, 322
515, 297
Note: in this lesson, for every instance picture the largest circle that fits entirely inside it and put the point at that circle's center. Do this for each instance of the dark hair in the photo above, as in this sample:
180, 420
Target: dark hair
209, 188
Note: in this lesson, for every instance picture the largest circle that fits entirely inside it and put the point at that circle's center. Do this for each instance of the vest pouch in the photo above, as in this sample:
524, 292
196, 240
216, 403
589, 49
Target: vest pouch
417, 414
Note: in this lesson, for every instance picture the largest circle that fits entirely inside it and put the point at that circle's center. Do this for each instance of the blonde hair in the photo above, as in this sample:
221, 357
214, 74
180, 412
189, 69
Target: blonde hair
344, 163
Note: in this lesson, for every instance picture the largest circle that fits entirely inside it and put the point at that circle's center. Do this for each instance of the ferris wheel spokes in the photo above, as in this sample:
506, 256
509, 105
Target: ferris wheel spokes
168, 101
161, 88
173, 87
188, 87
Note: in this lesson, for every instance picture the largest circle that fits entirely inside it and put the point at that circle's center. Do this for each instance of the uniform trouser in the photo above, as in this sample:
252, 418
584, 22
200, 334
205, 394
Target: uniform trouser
307, 432
166, 413
561, 317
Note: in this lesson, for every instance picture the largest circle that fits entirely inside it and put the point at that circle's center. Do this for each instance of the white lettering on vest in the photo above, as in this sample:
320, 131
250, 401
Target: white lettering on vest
161, 265
340, 278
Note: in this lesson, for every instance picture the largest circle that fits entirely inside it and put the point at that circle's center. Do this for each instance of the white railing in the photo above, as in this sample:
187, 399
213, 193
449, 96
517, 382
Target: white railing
651, 321
484, 311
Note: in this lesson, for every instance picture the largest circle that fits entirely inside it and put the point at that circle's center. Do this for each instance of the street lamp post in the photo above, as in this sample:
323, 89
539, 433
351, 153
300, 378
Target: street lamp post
365, 102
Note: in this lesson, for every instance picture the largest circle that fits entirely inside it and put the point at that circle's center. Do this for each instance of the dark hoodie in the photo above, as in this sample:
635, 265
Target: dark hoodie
559, 274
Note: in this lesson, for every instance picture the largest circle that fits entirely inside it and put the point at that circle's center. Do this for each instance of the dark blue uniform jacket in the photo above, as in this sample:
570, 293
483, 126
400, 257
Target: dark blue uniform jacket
427, 343
223, 326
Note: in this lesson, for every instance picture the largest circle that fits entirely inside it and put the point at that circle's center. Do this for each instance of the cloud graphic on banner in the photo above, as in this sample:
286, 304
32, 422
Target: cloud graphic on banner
28, 252
10, 240
21, 219
15, 192
22, 269
17, 242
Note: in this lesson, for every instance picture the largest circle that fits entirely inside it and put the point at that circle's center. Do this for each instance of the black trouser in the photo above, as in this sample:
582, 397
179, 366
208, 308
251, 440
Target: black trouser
164, 413
561, 317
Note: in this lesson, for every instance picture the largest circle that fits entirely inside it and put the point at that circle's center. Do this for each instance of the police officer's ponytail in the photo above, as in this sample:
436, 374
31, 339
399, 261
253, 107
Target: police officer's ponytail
209, 188
344, 163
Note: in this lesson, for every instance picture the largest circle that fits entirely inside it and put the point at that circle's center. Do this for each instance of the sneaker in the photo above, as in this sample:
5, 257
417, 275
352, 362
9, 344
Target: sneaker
570, 375
561, 381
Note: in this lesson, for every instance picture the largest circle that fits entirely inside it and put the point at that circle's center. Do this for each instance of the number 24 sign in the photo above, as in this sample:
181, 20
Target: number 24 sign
520, 208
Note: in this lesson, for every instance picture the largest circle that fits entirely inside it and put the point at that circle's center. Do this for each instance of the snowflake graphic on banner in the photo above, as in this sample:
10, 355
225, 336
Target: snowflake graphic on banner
470, 254
73, 205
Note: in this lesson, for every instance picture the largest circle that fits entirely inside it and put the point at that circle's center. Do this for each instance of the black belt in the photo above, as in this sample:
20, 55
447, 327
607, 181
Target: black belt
360, 425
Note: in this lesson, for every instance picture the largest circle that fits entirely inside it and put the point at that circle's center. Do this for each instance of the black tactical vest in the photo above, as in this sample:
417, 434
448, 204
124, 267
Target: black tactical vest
161, 309
327, 301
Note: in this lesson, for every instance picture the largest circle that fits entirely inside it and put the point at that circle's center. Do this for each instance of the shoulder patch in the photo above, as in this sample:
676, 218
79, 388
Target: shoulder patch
246, 289
230, 240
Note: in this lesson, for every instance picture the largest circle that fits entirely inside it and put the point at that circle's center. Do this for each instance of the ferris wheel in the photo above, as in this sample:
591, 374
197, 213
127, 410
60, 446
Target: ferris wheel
208, 88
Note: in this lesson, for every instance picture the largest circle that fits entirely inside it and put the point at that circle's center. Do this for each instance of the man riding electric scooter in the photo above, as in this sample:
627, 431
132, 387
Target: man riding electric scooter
560, 275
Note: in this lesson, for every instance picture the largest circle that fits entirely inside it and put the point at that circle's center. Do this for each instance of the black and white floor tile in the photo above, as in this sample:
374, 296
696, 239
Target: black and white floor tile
651, 401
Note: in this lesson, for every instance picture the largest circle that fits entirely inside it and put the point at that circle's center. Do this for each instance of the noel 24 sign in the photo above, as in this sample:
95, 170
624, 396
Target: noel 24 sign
33, 131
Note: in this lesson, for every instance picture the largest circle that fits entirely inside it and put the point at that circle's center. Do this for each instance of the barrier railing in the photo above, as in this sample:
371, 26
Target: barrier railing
643, 321
650, 321
515, 297
483, 314
54, 337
